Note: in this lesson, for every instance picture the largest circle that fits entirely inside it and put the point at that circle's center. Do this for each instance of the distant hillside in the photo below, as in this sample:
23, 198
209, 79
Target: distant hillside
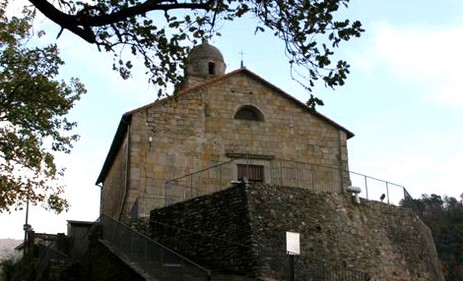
7, 246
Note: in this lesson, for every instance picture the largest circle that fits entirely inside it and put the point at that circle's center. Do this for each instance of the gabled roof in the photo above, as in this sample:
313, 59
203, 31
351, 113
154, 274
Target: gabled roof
127, 117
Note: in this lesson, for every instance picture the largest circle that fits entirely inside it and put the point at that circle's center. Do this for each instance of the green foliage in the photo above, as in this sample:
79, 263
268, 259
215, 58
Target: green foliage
444, 216
309, 29
10, 270
33, 125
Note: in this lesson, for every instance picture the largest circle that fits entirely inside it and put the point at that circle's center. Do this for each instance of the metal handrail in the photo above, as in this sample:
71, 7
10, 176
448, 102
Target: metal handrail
148, 254
200, 171
282, 172
49, 253
373, 178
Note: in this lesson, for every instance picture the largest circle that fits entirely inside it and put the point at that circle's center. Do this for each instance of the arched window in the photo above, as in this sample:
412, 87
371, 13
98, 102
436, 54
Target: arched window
249, 112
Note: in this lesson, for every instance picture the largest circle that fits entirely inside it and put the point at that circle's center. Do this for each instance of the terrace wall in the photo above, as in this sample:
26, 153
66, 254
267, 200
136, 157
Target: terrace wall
242, 229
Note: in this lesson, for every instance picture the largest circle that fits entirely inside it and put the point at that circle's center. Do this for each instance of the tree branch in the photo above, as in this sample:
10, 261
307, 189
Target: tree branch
81, 24
64, 20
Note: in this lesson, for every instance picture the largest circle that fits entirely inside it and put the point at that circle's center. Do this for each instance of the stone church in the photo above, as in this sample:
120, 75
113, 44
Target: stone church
238, 118
230, 163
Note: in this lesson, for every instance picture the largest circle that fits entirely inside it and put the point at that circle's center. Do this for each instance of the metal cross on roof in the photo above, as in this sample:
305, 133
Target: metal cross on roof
242, 54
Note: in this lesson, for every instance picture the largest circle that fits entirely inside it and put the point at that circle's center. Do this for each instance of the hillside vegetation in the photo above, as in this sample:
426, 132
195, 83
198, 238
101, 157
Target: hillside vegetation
444, 216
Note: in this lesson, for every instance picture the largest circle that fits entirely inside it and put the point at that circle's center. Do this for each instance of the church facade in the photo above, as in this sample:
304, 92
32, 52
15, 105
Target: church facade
218, 129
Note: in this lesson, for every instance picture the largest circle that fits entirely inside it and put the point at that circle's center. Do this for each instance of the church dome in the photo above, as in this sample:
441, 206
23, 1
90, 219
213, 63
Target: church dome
205, 61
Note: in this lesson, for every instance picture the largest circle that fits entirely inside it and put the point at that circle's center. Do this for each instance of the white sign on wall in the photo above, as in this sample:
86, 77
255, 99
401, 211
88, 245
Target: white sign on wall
292, 243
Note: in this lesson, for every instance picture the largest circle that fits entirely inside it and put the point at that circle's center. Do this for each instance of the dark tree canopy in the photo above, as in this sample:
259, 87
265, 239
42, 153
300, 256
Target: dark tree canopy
444, 216
33, 126
161, 31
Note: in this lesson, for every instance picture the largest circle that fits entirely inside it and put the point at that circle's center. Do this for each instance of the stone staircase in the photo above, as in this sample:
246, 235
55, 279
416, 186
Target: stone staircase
152, 260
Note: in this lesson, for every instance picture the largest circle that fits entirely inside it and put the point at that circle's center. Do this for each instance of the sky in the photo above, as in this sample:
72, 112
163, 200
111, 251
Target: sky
403, 100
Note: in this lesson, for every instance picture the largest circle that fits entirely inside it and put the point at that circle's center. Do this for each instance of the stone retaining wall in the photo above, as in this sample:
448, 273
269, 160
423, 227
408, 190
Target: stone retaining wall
384, 241
242, 229
212, 230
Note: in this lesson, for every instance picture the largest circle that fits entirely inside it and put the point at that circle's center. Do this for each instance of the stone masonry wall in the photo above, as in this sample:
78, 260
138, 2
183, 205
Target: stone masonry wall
386, 242
243, 230
197, 130
212, 230
114, 185
288, 132
175, 128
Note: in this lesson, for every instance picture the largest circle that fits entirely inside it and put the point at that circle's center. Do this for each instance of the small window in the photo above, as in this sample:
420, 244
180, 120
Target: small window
253, 173
211, 68
249, 112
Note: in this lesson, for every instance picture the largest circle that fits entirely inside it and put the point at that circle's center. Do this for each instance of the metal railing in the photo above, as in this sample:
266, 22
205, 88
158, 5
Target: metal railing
377, 189
48, 252
284, 173
152, 258
276, 171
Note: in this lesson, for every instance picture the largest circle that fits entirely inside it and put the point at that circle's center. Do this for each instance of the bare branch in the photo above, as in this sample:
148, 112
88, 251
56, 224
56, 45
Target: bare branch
81, 23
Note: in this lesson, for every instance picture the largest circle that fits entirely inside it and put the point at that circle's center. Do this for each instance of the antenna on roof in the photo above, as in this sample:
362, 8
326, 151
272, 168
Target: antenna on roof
242, 54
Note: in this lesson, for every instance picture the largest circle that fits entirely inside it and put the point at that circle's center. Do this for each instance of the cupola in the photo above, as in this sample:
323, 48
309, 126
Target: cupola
204, 62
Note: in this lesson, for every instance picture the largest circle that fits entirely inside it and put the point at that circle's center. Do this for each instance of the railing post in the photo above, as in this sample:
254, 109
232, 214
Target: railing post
311, 177
366, 186
220, 177
165, 193
341, 174
387, 192
191, 187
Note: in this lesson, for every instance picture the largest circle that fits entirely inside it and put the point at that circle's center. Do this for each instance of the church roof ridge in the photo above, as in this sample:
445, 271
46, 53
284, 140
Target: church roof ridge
255, 76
